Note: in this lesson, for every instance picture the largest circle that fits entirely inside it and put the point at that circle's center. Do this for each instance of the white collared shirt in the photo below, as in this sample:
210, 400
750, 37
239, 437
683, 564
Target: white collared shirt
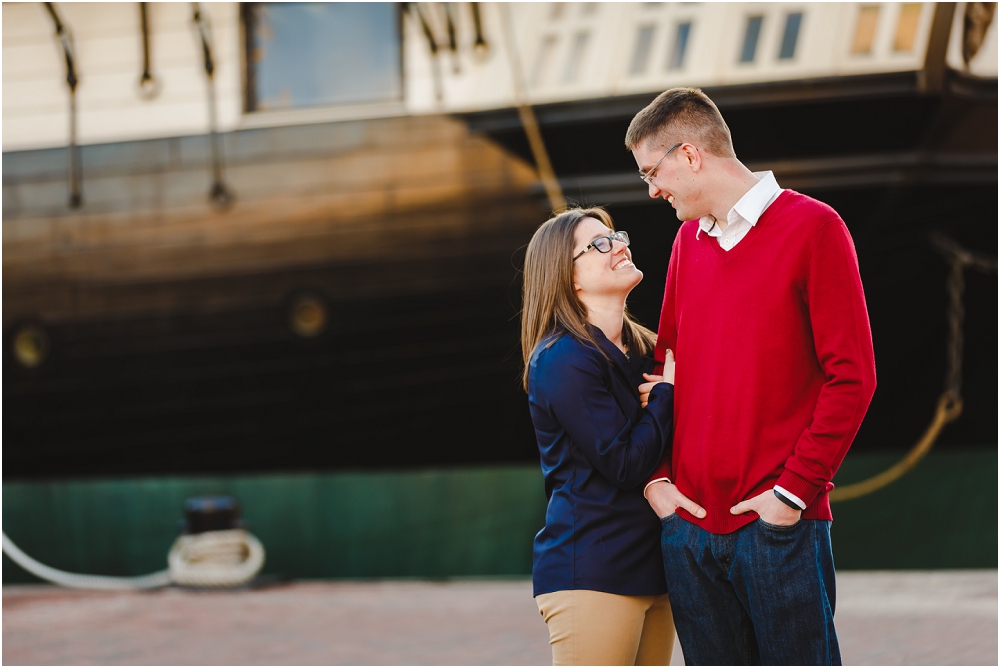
744, 213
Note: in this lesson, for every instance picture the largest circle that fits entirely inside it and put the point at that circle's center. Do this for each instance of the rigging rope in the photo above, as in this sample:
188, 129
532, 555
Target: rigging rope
432, 45
527, 115
220, 195
65, 38
149, 86
949, 406
477, 26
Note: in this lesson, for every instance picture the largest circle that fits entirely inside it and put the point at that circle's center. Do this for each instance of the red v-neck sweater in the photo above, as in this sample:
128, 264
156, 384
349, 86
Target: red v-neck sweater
775, 367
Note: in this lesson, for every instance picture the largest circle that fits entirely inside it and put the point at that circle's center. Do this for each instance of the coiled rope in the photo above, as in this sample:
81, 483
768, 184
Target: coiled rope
211, 559
215, 558
949, 406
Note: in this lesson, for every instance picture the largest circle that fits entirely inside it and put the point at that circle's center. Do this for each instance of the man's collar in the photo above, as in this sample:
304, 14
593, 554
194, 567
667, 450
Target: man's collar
707, 224
752, 205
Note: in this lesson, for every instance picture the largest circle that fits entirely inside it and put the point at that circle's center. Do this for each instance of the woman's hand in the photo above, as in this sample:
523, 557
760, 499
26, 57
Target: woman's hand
667, 377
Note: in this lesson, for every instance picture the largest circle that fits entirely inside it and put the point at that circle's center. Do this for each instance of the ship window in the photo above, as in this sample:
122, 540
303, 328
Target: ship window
788, 41
864, 31
643, 45
307, 54
749, 51
677, 54
543, 59
906, 29
31, 346
576, 56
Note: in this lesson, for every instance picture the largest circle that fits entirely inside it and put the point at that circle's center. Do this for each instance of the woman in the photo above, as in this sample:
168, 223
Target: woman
597, 572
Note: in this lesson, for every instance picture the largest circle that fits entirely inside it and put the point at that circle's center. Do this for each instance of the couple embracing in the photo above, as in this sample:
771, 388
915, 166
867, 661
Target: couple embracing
710, 480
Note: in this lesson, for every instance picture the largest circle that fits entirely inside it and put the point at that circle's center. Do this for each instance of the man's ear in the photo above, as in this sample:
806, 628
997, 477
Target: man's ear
692, 155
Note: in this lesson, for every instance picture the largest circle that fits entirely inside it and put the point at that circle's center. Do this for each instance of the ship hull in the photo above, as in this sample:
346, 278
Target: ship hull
171, 348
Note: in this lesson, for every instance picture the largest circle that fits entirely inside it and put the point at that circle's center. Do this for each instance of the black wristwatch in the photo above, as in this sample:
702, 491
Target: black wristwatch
785, 500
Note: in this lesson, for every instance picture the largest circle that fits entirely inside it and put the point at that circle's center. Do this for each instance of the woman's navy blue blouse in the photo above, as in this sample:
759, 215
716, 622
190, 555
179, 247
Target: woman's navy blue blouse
598, 446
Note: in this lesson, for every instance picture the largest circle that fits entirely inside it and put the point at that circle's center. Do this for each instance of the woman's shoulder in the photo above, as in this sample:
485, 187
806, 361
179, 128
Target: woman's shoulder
561, 353
562, 345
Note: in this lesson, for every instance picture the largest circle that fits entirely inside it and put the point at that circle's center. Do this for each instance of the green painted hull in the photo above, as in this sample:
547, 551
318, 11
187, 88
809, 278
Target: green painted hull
458, 522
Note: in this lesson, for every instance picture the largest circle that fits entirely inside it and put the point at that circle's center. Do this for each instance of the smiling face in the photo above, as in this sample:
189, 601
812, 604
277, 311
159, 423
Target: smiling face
597, 274
676, 179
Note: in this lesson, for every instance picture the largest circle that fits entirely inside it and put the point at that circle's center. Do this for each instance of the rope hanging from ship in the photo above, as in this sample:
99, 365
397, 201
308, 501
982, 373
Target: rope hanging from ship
949, 405
220, 195
553, 190
149, 86
65, 37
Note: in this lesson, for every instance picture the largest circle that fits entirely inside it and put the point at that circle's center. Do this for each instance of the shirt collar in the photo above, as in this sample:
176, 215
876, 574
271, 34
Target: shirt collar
751, 206
614, 353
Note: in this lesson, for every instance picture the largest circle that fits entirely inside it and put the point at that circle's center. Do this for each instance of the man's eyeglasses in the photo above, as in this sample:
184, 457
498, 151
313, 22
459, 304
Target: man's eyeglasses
648, 176
603, 244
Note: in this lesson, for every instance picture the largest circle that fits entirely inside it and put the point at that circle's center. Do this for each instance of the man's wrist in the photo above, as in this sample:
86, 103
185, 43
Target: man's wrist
653, 482
789, 499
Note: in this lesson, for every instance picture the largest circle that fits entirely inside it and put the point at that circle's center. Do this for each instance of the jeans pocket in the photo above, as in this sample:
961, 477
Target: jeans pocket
670, 529
782, 528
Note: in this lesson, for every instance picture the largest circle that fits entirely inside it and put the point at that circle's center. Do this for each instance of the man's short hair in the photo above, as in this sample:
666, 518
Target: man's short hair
682, 115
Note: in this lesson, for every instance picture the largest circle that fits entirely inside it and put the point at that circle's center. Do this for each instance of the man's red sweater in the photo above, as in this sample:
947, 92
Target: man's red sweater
775, 367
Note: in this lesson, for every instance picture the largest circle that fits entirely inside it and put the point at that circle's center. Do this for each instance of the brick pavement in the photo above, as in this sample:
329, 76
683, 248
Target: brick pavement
883, 618
917, 618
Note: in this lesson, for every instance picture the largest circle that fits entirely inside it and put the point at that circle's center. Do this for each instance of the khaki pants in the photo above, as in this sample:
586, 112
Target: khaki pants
593, 628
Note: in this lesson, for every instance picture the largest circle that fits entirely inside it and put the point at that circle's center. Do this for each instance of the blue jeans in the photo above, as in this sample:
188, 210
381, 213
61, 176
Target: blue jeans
762, 595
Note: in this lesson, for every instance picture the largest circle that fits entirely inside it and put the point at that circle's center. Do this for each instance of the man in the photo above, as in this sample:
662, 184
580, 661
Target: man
765, 313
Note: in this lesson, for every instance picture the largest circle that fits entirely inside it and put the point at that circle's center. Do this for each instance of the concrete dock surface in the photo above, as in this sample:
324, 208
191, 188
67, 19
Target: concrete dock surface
883, 618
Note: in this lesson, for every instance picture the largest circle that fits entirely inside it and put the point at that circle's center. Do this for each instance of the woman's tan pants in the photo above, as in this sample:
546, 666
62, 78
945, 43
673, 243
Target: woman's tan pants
593, 628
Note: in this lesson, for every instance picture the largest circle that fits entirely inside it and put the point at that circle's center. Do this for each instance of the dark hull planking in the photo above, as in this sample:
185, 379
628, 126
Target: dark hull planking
182, 361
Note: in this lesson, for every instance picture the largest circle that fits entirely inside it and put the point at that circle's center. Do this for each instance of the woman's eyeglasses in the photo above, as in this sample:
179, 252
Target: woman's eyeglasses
604, 244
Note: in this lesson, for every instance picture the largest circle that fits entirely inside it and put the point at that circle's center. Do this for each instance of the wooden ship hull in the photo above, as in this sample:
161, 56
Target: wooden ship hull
172, 327
357, 304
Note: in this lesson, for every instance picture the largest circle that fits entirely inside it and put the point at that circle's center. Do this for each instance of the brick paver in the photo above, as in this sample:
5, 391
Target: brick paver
883, 618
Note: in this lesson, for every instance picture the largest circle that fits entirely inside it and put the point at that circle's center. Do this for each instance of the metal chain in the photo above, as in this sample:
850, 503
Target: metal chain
949, 406
960, 259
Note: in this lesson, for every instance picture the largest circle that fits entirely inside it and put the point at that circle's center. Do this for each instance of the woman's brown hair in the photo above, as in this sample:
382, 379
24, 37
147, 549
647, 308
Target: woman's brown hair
550, 304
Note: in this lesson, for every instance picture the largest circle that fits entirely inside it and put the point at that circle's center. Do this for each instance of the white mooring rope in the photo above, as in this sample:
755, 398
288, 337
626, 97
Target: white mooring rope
215, 558
210, 559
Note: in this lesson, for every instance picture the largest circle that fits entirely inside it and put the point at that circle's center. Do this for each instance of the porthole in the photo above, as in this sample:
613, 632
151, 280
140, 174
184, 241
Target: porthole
308, 315
30, 346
